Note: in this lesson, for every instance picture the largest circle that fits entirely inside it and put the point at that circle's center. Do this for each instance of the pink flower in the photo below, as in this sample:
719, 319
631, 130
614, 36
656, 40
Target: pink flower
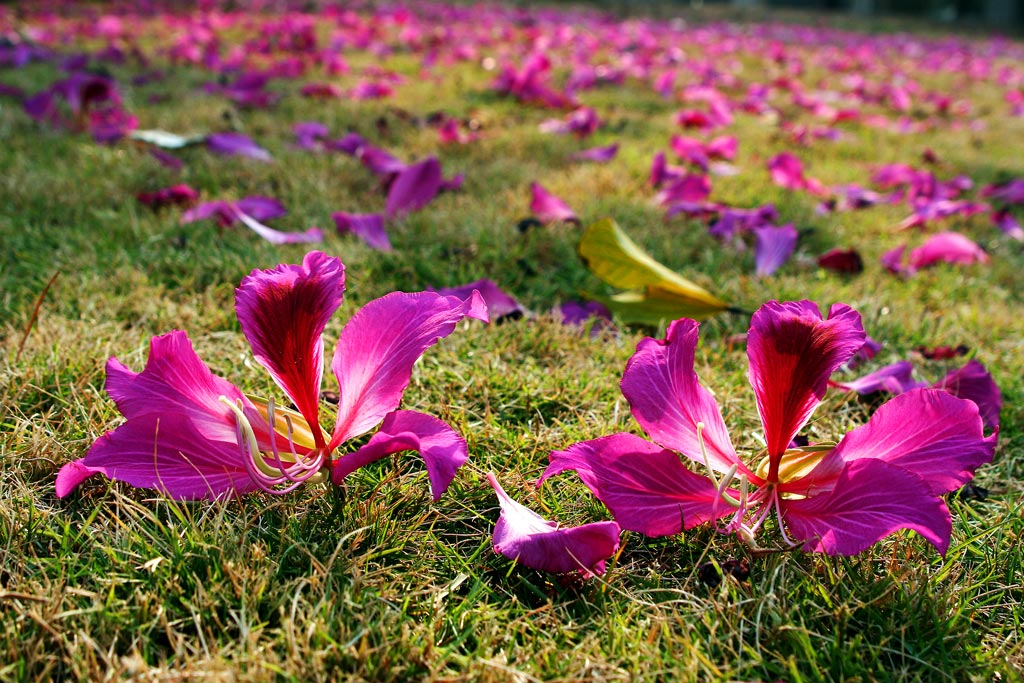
192, 434
886, 475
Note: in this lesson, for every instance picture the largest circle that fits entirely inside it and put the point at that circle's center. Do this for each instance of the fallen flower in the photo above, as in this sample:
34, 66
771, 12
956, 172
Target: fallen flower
826, 497
191, 434
179, 195
525, 537
600, 155
838, 260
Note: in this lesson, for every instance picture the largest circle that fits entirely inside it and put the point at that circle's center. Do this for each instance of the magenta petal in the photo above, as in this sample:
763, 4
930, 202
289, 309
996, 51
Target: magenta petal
600, 155
175, 381
646, 487
931, 433
668, 401
414, 187
974, 383
948, 247
313, 235
163, 452
261, 208
443, 450
236, 144
548, 208
895, 379
283, 313
792, 353
525, 537
773, 248
871, 500
369, 227
500, 304
379, 346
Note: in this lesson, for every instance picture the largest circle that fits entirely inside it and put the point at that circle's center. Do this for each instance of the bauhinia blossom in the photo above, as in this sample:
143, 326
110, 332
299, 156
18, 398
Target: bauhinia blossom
191, 434
885, 475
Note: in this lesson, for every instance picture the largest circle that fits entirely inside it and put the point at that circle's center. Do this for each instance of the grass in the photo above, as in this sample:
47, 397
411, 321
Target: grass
375, 582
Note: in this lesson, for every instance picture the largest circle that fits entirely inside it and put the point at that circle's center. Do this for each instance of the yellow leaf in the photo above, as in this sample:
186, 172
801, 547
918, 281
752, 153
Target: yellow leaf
657, 294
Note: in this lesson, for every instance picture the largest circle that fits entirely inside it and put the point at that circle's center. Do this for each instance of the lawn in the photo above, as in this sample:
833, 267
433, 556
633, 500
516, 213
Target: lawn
375, 580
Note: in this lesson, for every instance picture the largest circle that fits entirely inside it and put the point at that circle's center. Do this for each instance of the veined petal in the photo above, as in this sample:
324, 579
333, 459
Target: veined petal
378, 348
443, 450
931, 433
524, 536
283, 313
792, 353
668, 401
175, 381
871, 500
163, 452
773, 247
646, 487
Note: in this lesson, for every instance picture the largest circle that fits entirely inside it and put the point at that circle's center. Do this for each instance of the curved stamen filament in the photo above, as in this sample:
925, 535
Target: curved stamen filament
270, 473
720, 485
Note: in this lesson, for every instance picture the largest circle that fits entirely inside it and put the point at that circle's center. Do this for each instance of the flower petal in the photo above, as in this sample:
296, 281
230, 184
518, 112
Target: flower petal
646, 488
175, 381
283, 313
773, 247
276, 236
668, 401
500, 304
236, 144
792, 353
163, 452
378, 348
443, 450
895, 379
414, 187
948, 247
525, 537
369, 227
548, 208
931, 433
974, 383
871, 499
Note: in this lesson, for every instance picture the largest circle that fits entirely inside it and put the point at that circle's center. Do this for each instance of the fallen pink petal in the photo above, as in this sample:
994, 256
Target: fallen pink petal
525, 537
548, 208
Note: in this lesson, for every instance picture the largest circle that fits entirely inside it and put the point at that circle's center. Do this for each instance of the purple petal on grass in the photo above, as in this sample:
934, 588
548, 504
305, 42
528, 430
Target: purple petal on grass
600, 155
443, 450
377, 350
236, 144
381, 163
283, 313
929, 432
668, 401
646, 487
948, 247
773, 248
525, 537
414, 187
261, 208
453, 184
895, 379
893, 261
182, 195
369, 227
580, 313
309, 135
350, 144
548, 208
1008, 224
974, 383
793, 352
500, 304
871, 500
166, 159
311, 235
